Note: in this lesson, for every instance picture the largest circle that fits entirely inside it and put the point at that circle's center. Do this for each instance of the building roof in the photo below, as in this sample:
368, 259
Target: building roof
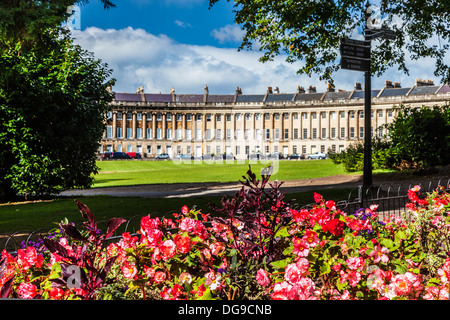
361, 94
420, 88
250, 98
337, 95
217, 98
308, 96
280, 97
391, 92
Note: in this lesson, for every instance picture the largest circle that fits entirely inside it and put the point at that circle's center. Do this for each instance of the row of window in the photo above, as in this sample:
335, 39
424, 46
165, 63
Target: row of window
238, 134
198, 117
228, 149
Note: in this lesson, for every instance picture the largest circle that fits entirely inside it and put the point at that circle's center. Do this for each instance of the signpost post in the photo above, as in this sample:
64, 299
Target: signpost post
356, 56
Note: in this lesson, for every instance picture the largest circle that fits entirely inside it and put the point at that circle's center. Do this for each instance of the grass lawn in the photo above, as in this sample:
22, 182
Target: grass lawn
121, 173
32, 216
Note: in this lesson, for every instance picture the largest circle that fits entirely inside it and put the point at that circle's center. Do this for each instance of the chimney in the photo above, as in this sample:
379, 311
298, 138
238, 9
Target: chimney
388, 84
397, 85
238, 90
421, 83
140, 89
277, 90
330, 87
269, 90
205, 96
311, 89
172, 92
358, 86
300, 89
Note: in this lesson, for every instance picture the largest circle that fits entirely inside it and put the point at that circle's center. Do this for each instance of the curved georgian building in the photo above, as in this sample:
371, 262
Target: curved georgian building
302, 122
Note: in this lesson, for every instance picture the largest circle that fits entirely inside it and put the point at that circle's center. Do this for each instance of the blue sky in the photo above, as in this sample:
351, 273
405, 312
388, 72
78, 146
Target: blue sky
181, 44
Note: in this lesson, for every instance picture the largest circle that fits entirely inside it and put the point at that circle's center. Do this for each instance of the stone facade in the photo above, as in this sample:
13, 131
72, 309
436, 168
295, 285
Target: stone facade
243, 125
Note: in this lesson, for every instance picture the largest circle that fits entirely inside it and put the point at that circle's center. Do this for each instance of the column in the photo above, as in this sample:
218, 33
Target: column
114, 124
144, 125
153, 126
133, 126
124, 125
164, 127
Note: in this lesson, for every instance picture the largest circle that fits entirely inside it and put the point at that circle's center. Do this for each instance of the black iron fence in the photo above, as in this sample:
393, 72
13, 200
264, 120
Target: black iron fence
390, 198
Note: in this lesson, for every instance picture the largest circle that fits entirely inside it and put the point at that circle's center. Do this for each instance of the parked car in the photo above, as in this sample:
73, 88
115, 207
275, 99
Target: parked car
185, 156
115, 155
134, 155
276, 155
316, 155
162, 156
296, 156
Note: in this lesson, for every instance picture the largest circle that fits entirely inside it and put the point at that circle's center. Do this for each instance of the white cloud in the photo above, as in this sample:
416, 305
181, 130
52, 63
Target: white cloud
159, 64
229, 33
182, 24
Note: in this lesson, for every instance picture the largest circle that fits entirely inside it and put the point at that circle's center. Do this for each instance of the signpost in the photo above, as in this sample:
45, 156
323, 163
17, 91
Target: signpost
356, 56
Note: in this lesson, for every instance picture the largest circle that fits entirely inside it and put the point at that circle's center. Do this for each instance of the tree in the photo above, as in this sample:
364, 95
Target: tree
420, 137
27, 20
53, 97
310, 32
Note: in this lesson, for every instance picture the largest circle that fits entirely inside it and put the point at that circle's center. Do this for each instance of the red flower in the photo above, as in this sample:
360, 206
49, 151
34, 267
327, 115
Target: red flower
27, 290
168, 249
185, 209
183, 244
335, 227
318, 197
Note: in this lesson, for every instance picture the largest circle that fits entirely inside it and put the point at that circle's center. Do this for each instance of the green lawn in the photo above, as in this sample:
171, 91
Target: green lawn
120, 173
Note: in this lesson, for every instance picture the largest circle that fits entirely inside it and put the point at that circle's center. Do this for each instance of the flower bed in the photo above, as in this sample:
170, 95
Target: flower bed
257, 246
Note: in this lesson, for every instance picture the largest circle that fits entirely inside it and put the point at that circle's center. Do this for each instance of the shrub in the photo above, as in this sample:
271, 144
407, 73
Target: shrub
258, 248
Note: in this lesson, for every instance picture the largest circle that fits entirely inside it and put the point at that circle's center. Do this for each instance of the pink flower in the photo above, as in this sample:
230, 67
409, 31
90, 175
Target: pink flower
401, 285
379, 253
292, 273
185, 277
160, 276
149, 271
353, 278
149, 223
302, 290
301, 248
152, 237
27, 290
303, 265
280, 291
216, 248
188, 224
168, 249
354, 263
262, 277
129, 270
311, 238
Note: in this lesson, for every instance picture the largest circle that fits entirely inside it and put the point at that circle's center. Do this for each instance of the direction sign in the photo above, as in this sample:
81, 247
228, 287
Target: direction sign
349, 50
355, 54
355, 64
361, 43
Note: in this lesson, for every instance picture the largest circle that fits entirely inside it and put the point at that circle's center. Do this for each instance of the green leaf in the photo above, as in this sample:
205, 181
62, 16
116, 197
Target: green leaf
387, 243
325, 268
280, 264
